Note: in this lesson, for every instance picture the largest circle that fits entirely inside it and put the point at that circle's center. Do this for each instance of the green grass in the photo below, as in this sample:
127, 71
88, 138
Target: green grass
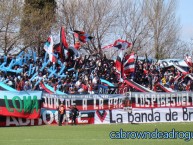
88, 134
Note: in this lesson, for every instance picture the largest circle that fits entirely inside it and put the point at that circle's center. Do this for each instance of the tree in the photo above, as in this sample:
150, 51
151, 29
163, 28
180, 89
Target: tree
163, 26
38, 18
133, 25
96, 18
10, 13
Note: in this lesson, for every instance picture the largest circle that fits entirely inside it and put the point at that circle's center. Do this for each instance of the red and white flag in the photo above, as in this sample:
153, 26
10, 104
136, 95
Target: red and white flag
188, 60
121, 44
48, 47
129, 64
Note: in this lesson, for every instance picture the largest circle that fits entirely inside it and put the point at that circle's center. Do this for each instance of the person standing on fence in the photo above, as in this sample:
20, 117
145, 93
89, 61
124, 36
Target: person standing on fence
61, 112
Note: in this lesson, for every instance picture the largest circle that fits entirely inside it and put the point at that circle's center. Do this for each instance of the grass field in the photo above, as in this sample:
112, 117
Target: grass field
88, 134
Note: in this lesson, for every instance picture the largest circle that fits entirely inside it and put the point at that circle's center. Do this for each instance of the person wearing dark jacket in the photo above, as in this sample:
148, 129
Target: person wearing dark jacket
61, 112
74, 113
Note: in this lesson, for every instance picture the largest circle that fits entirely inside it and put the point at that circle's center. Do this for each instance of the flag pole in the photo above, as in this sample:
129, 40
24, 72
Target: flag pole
121, 64
135, 67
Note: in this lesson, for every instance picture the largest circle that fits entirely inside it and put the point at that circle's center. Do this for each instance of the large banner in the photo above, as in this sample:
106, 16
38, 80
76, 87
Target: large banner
23, 108
162, 100
137, 115
119, 101
84, 102
154, 115
48, 117
20, 104
171, 62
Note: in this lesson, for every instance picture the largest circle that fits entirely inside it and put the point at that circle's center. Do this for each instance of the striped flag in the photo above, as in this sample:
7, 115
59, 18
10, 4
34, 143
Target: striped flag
118, 64
137, 86
129, 63
125, 65
21, 104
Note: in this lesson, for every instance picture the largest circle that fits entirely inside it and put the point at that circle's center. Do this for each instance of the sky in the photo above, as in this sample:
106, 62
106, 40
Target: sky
185, 14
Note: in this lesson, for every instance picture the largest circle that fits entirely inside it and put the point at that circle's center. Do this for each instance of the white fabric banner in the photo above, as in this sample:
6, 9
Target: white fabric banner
170, 62
140, 115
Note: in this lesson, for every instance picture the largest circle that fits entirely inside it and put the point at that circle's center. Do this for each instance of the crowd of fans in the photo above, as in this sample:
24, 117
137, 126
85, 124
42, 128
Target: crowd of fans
149, 75
83, 78
83, 74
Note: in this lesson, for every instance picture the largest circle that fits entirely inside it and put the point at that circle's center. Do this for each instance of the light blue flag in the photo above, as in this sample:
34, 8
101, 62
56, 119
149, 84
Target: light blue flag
19, 70
62, 69
53, 72
30, 68
28, 55
33, 77
34, 56
60, 63
33, 69
5, 81
25, 57
11, 64
71, 69
62, 76
20, 54
76, 77
2, 65
5, 58
54, 67
38, 82
44, 65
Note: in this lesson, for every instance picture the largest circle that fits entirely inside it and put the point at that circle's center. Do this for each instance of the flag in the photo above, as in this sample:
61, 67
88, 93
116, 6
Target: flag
163, 88
82, 36
77, 45
48, 47
121, 44
188, 60
119, 65
129, 63
126, 65
21, 104
108, 46
137, 86
63, 42
58, 49
45, 88
62, 47
180, 69
63, 53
